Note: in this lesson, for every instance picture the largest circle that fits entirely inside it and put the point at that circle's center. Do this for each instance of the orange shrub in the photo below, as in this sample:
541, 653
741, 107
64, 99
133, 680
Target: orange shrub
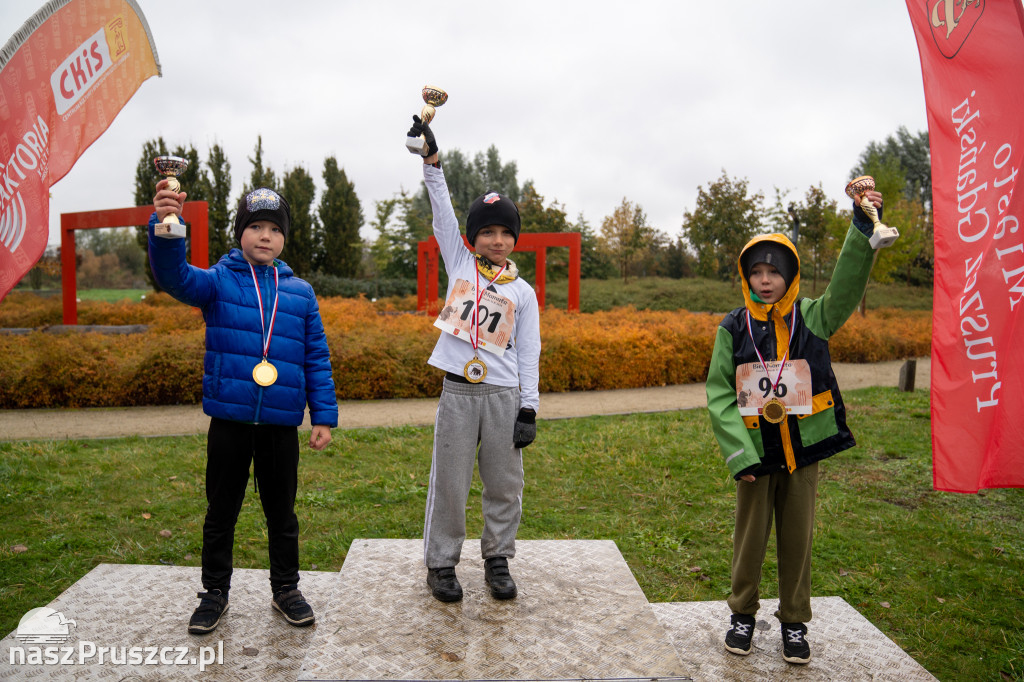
378, 352
885, 334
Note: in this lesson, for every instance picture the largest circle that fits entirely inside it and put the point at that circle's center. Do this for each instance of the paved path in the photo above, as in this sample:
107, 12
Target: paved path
60, 424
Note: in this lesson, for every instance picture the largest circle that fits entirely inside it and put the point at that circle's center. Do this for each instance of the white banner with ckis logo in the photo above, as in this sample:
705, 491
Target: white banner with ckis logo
46, 637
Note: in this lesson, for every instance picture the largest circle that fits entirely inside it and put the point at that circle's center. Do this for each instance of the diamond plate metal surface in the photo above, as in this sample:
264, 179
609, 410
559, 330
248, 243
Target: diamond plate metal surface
580, 614
844, 645
149, 606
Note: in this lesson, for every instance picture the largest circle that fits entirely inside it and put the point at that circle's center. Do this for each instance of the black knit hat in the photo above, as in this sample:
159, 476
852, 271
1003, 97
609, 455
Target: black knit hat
492, 209
262, 203
774, 254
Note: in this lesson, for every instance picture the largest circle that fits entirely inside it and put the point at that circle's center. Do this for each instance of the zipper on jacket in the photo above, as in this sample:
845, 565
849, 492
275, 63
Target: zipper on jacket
264, 292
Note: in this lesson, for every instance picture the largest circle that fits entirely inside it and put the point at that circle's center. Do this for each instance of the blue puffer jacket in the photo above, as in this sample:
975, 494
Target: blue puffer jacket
234, 337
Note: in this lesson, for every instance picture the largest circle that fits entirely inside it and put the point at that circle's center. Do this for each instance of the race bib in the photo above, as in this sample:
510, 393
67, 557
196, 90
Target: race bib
754, 386
497, 316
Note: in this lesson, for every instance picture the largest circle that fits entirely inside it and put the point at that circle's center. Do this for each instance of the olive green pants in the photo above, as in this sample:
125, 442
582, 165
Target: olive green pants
789, 499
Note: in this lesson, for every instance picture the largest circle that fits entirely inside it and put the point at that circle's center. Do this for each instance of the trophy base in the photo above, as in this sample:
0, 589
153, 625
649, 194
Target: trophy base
883, 236
416, 145
169, 230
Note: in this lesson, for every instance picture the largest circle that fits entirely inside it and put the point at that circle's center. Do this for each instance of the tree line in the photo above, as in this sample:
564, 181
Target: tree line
324, 243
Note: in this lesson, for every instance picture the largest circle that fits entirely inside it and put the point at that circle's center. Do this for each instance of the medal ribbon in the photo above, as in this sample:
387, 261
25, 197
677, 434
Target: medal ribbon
475, 338
792, 325
266, 334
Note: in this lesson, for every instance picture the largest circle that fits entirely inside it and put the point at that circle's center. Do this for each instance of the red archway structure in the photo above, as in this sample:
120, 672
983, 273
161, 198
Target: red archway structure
195, 214
429, 256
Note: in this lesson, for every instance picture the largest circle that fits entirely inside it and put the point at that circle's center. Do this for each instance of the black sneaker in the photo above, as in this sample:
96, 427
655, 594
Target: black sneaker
205, 618
443, 583
290, 603
498, 578
795, 648
740, 634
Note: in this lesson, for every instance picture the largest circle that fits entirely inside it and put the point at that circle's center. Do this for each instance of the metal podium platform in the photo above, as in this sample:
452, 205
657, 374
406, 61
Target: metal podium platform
579, 615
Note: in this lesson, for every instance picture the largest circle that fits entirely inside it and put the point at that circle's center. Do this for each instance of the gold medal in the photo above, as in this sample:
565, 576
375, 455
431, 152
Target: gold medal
475, 371
264, 373
774, 411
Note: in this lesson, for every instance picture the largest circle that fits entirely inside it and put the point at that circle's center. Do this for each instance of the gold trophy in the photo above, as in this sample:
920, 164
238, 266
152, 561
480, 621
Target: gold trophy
434, 97
883, 235
173, 226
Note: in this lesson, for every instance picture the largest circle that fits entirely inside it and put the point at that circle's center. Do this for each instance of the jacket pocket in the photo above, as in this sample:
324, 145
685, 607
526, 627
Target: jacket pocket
211, 382
821, 422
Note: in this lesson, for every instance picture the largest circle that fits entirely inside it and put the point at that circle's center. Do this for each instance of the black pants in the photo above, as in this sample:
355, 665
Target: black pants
274, 452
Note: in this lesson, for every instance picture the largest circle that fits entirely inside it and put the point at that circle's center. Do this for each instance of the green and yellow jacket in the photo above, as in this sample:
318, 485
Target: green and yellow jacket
752, 445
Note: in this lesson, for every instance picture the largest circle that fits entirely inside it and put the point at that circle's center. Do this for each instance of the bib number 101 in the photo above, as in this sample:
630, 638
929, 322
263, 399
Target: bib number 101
488, 320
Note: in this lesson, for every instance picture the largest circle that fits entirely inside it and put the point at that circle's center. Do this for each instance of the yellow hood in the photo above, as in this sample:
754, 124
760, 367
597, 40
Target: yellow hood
761, 311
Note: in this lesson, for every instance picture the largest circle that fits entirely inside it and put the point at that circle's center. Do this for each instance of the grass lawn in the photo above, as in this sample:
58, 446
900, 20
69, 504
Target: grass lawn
941, 574
105, 295
706, 295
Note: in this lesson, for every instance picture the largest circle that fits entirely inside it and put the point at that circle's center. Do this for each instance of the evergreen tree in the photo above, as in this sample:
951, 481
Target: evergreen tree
303, 235
260, 176
221, 212
340, 217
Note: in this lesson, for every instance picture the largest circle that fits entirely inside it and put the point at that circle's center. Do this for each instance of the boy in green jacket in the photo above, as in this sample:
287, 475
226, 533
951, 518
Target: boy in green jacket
776, 412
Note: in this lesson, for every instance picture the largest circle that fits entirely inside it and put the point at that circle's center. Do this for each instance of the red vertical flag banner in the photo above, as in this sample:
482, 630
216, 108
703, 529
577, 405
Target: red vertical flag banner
972, 60
64, 76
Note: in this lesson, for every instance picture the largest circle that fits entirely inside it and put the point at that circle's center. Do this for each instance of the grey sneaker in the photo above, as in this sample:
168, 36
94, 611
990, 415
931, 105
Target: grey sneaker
206, 617
740, 634
795, 648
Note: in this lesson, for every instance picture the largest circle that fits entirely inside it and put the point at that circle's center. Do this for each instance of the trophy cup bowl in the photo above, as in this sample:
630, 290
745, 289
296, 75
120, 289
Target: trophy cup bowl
433, 98
883, 235
171, 167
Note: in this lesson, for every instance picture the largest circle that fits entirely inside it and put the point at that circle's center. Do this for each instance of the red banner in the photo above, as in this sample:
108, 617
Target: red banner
972, 58
64, 76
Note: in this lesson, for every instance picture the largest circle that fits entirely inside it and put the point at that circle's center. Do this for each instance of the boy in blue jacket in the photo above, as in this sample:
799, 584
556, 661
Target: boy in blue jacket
266, 358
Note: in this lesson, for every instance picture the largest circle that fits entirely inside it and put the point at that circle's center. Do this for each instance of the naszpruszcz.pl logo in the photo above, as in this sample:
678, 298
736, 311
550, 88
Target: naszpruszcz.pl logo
45, 630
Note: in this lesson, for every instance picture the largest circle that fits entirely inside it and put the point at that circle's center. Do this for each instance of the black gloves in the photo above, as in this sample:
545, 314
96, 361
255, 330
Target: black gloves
863, 221
421, 128
525, 429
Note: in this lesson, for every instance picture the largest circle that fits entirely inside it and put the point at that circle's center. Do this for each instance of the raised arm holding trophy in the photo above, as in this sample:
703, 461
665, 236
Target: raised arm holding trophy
883, 235
434, 97
172, 226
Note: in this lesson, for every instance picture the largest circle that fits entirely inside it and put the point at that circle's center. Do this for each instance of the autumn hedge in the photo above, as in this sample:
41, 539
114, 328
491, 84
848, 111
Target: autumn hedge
379, 352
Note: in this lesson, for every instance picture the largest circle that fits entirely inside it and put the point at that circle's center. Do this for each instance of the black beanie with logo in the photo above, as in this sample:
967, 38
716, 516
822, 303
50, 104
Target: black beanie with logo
262, 203
492, 209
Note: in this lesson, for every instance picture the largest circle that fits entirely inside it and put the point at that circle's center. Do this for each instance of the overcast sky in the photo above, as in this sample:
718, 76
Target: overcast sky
593, 100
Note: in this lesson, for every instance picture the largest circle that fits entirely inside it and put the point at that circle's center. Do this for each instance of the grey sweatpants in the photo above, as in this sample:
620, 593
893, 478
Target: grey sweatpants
474, 423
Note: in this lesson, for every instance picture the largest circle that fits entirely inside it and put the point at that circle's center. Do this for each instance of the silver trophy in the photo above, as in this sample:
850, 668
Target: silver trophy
173, 227
883, 235
434, 97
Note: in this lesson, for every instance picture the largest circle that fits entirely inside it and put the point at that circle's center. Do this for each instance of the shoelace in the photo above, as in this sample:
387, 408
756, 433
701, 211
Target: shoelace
741, 629
795, 636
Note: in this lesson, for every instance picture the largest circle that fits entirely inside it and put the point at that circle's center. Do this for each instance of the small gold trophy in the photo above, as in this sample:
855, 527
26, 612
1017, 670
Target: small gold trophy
883, 235
173, 226
434, 97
